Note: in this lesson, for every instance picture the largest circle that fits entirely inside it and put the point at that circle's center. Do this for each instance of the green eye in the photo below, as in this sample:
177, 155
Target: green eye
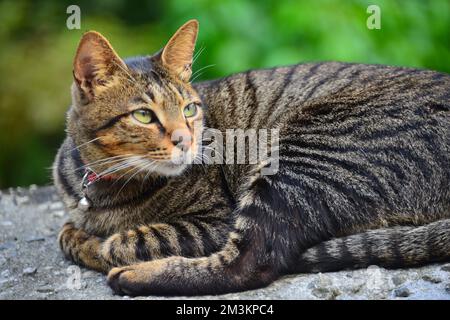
143, 115
190, 110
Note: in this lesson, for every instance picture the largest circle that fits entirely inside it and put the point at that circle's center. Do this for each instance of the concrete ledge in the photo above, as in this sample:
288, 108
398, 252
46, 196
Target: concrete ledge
32, 267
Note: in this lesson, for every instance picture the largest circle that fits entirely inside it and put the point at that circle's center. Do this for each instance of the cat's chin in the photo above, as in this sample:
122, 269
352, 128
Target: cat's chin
169, 168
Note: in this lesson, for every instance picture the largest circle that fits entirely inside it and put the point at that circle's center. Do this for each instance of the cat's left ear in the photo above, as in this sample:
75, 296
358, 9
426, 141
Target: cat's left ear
178, 53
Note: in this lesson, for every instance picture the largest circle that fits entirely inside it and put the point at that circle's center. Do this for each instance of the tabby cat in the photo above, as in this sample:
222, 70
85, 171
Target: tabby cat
363, 175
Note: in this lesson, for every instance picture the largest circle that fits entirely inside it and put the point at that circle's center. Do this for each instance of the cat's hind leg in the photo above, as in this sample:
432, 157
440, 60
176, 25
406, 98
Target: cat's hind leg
82, 248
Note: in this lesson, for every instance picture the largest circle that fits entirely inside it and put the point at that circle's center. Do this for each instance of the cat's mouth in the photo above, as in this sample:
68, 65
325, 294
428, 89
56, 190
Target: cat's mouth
175, 163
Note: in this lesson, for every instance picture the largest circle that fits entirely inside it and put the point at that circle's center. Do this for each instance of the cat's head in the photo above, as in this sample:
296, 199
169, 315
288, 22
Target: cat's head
139, 114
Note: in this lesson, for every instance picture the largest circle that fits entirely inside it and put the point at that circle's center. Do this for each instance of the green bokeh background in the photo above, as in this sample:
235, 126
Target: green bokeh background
36, 52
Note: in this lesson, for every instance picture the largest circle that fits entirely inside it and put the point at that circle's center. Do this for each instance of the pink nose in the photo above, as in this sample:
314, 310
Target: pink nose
182, 139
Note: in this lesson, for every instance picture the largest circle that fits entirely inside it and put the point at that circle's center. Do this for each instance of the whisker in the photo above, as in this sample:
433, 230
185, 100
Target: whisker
83, 144
140, 169
205, 67
135, 162
156, 153
199, 157
121, 166
159, 157
195, 74
104, 161
197, 54
133, 80
214, 150
148, 173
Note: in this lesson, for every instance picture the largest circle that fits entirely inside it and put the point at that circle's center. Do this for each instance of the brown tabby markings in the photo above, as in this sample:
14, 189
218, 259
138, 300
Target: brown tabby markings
364, 171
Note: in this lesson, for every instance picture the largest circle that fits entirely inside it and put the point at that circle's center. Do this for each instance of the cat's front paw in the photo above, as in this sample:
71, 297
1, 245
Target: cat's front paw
137, 279
120, 280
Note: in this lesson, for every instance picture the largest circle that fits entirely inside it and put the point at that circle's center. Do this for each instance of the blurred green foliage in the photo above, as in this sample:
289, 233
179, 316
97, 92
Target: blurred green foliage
36, 51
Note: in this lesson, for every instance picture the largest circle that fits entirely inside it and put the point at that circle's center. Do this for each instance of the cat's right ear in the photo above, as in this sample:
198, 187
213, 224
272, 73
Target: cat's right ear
96, 66
178, 53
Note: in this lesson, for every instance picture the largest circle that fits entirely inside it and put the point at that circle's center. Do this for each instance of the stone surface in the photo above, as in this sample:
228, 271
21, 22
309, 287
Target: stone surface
402, 292
32, 267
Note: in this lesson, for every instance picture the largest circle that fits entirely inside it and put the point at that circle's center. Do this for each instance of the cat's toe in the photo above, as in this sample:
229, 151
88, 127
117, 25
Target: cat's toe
120, 281
113, 280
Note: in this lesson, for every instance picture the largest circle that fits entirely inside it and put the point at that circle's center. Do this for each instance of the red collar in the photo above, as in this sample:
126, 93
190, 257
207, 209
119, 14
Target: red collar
93, 177
90, 177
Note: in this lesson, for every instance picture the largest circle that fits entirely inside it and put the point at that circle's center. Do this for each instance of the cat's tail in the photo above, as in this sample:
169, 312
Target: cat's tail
394, 247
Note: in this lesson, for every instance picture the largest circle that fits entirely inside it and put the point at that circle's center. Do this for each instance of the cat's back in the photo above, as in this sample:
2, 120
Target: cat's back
261, 98
366, 115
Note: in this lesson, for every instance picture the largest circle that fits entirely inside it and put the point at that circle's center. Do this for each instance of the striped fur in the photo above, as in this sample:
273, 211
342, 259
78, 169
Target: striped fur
363, 179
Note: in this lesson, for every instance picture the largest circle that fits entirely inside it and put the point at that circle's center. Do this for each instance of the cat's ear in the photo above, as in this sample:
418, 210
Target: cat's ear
96, 65
178, 53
